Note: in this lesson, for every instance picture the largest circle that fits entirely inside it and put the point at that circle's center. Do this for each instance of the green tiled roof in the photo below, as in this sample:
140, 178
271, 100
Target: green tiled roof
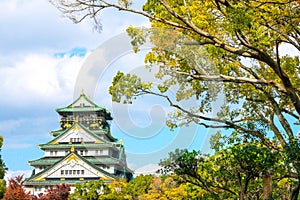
56, 132
76, 145
44, 161
57, 181
72, 108
79, 109
84, 128
51, 161
104, 131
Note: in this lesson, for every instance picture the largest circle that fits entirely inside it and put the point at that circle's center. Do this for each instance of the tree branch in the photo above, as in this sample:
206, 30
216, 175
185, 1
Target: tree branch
224, 78
257, 54
225, 122
279, 114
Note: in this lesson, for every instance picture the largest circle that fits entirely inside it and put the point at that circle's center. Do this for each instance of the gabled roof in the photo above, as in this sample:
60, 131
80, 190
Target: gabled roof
76, 127
74, 159
97, 132
84, 104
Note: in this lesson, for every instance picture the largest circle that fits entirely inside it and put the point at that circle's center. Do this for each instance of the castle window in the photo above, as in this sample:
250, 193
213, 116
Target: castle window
78, 172
82, 172
51, 153
81, 152
99, 152
76, 140
82, 104
62, 172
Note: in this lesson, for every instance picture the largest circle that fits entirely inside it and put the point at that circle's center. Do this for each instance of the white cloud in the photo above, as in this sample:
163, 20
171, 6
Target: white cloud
36, 25
11, 174
39, 78
147, 169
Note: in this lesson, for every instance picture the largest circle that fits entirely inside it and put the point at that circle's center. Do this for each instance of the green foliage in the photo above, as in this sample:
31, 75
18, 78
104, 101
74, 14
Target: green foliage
231, 48
181, 162
229, 173
89, 190
3, 167
2, 188
127, 86
139, 185
3, 170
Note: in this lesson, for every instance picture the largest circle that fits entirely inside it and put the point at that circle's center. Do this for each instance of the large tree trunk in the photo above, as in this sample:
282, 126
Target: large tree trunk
242, 196
295, 192
267, 185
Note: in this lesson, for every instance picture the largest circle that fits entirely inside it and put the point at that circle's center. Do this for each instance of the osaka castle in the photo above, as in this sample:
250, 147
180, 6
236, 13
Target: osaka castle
82, 149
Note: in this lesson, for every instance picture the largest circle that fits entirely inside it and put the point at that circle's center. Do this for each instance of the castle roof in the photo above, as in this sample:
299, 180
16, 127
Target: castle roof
73, 158
77, 129
84, 127
84, 104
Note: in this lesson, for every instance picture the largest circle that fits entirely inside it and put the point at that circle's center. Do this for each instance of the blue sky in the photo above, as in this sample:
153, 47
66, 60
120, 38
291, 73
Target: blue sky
41, 58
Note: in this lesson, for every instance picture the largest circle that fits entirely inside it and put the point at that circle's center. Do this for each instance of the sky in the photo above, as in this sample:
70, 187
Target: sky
44, 60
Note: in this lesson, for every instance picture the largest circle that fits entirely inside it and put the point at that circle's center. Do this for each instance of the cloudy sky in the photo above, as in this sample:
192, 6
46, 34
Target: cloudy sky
43, 57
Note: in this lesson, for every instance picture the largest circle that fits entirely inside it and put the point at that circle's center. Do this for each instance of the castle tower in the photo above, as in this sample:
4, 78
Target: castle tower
82, 149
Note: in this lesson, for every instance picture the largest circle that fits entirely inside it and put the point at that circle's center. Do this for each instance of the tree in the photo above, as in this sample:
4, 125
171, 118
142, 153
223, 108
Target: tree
60, 192
139, 185
2, 188
164, 188
134, 189
15, 190
244, 41
235, 172
3, 167
3, 170
117, 189
90, 190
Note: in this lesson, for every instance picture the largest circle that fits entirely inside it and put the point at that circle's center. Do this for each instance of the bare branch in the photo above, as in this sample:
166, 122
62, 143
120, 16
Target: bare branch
276, 130
279, 114
290, 113
225, 122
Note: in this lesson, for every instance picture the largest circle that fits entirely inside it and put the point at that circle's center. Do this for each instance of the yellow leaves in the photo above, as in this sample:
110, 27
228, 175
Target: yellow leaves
203, 14
164, 189
125, 3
